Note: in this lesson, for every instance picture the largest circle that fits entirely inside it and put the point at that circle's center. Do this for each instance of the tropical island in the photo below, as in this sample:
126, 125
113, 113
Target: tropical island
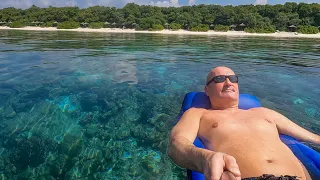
291, 17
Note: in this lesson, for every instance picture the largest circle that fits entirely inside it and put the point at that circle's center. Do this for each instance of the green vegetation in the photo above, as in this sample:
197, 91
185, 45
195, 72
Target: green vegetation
138, 28
221, 28
175, 26
68, 25
96, 25
156, 27
17, 24
201, 27
48, 24
308, 30
251, 18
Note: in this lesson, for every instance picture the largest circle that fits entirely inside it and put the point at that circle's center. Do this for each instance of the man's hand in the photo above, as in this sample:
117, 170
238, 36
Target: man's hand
220, 166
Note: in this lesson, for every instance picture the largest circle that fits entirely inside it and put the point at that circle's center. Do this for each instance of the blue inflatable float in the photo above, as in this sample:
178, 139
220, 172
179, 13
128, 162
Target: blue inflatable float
309, 157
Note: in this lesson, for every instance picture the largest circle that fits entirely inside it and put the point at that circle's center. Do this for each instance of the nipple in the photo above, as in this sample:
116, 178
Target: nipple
214, 125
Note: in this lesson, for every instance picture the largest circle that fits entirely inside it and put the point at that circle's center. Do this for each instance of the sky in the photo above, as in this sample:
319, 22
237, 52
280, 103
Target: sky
120, 3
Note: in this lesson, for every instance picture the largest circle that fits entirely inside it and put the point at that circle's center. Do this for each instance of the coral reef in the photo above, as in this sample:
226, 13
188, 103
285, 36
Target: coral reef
83, 106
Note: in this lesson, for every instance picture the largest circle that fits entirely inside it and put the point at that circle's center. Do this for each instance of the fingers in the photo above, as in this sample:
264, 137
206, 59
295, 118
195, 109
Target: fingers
218, 165
222, 167
227, 175
231, 165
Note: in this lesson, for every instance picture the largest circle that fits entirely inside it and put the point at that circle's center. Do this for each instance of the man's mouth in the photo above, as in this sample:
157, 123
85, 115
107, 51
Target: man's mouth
229, 90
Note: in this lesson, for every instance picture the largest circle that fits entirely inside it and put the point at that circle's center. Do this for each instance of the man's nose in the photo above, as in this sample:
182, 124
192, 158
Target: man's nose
227, 81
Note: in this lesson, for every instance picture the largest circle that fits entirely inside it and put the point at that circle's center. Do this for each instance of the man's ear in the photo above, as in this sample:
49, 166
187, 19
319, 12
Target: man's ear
206, 90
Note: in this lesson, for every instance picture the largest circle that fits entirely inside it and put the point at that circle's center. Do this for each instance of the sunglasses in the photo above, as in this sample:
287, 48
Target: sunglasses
222, 78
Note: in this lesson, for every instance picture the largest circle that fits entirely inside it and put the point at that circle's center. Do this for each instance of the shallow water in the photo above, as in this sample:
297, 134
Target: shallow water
101, 106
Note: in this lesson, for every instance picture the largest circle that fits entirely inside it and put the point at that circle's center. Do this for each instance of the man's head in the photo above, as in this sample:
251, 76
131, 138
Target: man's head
222, 88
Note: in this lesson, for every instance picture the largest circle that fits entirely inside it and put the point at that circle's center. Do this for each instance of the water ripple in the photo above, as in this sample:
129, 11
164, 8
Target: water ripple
81, 105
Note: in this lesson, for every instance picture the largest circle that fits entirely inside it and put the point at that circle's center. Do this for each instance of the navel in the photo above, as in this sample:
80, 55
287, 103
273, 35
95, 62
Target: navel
214, 125
270, 161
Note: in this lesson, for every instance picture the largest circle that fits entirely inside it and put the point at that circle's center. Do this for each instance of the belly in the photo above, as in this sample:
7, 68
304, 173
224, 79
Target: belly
256, 158
253, 141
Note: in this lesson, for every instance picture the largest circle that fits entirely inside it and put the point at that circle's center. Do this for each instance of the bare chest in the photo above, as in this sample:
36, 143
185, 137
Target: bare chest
221, 126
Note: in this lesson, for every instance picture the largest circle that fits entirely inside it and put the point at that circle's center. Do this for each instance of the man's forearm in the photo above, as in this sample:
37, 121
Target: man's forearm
314, 138
317, 140
186, 155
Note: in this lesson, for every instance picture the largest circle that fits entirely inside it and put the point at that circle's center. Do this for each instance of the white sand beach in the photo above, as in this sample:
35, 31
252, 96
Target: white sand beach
179, 32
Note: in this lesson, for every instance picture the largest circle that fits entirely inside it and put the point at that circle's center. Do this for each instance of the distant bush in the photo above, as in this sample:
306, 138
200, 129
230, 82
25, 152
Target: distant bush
221, 28
156, 27
175, 26
150, 22
68, 25
96, 25
106, 25
17, 24
201, 27
250, 30
307, 30
138, 28
47, 24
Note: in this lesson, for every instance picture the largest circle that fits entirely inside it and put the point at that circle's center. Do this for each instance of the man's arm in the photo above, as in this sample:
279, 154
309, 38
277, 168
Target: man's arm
181, 149
213, 165
287, 127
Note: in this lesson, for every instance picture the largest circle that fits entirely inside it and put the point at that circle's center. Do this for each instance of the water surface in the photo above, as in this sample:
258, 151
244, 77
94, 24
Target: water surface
101, 106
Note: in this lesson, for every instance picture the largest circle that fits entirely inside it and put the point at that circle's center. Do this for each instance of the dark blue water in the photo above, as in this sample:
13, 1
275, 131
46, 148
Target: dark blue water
101, 106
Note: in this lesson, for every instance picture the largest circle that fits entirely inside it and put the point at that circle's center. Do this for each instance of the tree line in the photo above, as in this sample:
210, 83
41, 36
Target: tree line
291, 16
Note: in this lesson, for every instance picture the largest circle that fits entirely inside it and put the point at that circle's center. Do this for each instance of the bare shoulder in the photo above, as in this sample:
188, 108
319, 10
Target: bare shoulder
262, 110
267, 113
197, 109
195, 112
188, 125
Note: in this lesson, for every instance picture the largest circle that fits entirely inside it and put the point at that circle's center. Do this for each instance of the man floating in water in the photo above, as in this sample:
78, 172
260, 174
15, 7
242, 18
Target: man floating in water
240, 143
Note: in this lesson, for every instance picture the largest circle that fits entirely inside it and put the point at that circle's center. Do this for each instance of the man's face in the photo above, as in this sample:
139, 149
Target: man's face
225, 89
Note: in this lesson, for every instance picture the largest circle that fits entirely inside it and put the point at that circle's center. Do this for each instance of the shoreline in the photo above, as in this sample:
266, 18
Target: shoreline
179, 32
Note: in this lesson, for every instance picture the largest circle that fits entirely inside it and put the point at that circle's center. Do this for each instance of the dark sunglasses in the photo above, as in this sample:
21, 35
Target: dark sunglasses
222, 78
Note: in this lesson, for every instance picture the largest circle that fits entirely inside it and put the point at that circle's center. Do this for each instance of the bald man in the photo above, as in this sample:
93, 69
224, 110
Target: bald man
240, 143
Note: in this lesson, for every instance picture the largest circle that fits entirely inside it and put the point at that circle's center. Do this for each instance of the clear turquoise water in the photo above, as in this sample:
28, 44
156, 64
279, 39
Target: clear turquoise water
101, 106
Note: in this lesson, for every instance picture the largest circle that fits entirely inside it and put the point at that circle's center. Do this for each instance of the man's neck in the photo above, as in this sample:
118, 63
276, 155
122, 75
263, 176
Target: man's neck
225, 108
